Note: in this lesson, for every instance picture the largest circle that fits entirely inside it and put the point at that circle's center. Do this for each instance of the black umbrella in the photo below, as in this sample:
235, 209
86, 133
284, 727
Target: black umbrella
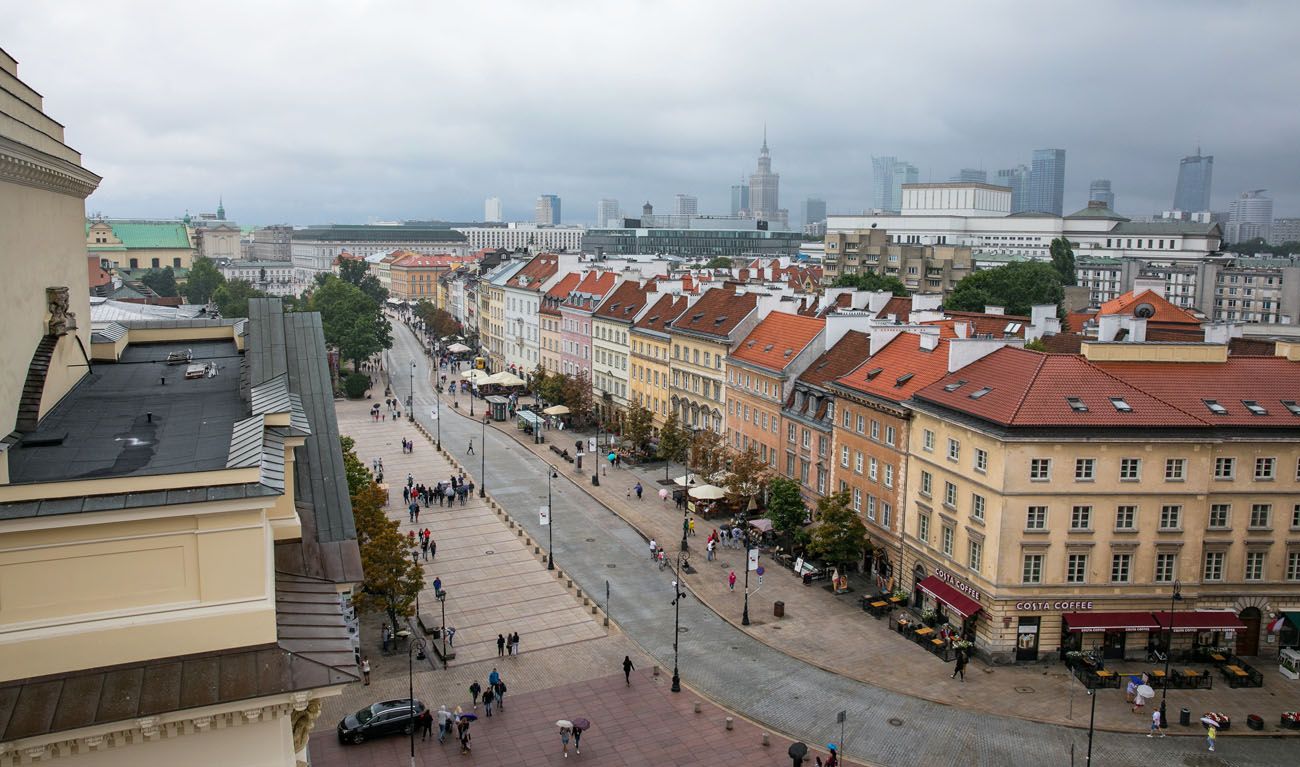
797, 752
579, 723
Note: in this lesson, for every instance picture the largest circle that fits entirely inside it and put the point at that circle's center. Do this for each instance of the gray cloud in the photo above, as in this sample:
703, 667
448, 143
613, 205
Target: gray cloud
345, 111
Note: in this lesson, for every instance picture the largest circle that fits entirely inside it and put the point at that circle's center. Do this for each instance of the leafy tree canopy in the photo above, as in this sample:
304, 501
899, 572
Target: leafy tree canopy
1016, 286
673, 441
872, 281
232, 297
718, 262
785, 505
637, 426
1063, 260
353, 322
161, 281
1258, 245
358, 273
203, 281
749, 475
839, 537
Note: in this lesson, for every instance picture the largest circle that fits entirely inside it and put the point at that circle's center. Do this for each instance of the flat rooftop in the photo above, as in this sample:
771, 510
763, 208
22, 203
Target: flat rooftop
122, 421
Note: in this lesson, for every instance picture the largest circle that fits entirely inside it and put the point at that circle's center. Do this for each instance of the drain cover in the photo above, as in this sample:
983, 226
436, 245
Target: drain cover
1024, 689
896, 722
611, 566
591, 540
489, 551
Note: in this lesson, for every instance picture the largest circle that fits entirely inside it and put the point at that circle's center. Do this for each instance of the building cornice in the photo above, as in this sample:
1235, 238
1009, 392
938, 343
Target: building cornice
21, 164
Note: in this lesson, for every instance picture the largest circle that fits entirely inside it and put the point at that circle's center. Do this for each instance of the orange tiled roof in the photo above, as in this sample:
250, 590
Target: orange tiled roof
560, 292
626, 300
660, 316
717, 313
776, 341
594, 283
901, 367
1164, 311
542, 268
408, 260
847, 353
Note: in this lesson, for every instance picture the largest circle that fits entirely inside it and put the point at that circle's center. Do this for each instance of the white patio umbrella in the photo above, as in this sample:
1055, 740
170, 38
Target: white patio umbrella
475, 375
504, 379
556, 410
681, 481
707, 492
457, 348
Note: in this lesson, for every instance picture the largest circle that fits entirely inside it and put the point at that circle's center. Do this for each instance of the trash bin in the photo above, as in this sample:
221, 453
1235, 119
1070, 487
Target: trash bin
778, 609
1255, 722
1185, 717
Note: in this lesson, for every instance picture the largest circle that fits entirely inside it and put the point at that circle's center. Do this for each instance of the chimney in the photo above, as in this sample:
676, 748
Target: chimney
1137, 329
1154, 284
837, 325
995, 310
1108, 326
929, 341
961, 328
926, 301
876, 300
964, 351
1221, 332
1043, 322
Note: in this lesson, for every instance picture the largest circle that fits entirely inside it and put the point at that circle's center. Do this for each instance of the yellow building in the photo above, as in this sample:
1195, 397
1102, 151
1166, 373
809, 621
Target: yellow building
141, 243
651, 346
1056, 502
172, 507
701, 340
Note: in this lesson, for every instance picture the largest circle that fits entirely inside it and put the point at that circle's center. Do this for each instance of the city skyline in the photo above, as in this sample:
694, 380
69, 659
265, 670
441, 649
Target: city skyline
299, 162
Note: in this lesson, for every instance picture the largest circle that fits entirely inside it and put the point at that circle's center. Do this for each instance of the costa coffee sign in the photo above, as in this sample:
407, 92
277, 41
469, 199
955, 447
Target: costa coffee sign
956, 583
1054, 605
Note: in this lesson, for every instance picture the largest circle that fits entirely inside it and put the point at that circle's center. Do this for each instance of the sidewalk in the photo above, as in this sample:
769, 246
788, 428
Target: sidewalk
833, 633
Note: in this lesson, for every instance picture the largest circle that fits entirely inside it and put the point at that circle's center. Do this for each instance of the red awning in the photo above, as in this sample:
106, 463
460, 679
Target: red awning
1201, 620
962, 604
1134, 621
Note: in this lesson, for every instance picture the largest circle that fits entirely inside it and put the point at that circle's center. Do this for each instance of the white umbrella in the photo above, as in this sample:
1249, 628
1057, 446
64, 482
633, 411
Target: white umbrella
707, 492
474, 375
564, 724
682, 479
504, 379
1145, 691
457, 348
556, 410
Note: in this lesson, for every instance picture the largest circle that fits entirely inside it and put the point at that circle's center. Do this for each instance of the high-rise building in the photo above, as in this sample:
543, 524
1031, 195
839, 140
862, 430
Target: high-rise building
966, 175
1099, 191
1195, 172
607, 214
814, 210
1284, 230
765, 186
1017, 180
547, 211
687, 205
739, 198
492, 211
1047, 181
1249, 216
888, 174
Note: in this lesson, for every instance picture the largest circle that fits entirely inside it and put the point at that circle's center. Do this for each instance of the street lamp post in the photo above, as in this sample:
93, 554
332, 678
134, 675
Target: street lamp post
442, 600
1175, 596
410, 399
599, 456
1092, 721
678, 595
550, 521
686, 507
744, 617
482, 461
416, 644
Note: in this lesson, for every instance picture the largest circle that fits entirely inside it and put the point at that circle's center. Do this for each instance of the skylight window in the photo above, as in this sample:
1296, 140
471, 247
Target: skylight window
874, 372
720, 320
697, 316
1077, 404
904, 378
980, 392
1215, 407
955, 386
1291, 405
1013, 327
1254, 407
1121, 404
767, 348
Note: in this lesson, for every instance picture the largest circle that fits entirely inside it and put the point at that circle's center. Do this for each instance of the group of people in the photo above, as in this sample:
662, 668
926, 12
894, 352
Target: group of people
394, 407
445, 492
508, 643
428, 546
727, 539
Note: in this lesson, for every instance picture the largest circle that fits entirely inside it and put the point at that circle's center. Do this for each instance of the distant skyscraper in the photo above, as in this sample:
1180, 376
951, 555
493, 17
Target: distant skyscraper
968, 175
739, 198
1194, 175
888, 174
607, 214
765, 186
687, 205
1249, 216
1047, 181
814, 210
1017, 179
492, 211
547, 212
1099, 190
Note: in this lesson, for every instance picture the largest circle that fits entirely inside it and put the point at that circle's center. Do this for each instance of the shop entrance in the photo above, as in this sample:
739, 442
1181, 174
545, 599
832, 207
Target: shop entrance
1248, 638
1112, 647
918, 575
1027, 639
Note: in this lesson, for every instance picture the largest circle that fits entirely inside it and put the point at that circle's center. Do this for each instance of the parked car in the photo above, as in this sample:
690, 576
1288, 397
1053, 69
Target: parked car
383, 718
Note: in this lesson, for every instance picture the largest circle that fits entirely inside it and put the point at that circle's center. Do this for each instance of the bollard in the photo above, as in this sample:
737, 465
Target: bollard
521, 532
537, 549
528, 541
568, 583
656, 671
697, 707
729, 723
593, 612
579, 594
766, 740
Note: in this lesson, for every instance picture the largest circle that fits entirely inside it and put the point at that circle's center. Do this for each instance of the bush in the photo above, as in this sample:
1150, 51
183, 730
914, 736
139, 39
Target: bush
356, 384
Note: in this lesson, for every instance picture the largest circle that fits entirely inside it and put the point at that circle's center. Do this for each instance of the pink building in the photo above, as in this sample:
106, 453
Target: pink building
575, 321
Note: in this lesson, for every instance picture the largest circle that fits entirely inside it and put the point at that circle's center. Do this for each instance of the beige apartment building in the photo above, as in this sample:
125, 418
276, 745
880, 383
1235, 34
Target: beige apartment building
922, 268
650, 343
1055, 502
701, 339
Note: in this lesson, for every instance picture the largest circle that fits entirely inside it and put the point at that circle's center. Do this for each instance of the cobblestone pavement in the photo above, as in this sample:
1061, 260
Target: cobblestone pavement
789, 694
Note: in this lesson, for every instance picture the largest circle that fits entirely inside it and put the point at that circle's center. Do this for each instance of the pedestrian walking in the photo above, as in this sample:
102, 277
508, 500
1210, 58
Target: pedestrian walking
627, 669
365, 670
577, 740
691, 526
433, 548
437, 585
731, 580
451, 636
709, 547
961, 666
564, 741
639, 491
474, 689
500, 689
488, 697
654, 550
1139, 702
424, 547
464, 736
501, 645
470, 451
1155, 724
1210, 735
514, 644
426, 725
444, 723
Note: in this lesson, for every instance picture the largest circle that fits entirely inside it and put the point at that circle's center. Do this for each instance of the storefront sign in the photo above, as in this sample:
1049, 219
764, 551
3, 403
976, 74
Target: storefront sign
1054, 605
956, 583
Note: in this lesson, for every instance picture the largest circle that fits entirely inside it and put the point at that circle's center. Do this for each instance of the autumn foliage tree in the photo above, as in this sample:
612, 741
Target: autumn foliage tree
637, 426
839, 537
749, 475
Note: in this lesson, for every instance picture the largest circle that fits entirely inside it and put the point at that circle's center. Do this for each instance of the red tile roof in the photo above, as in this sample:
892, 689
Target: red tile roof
559, 292
844, 356
664, 311
1163, 310
776, 340
1266, 380
901, 367
996, 325
425, 261
594, 284
899, 306
542, 268
626, 300
717, 313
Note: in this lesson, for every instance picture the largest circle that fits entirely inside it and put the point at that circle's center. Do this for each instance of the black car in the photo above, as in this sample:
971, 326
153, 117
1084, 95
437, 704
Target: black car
383, 718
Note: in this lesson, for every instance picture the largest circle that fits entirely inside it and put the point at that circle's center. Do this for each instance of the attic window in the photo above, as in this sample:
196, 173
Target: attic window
697, 316
750, 345
904, 378
874, 372
614, 306
653, 319
1215, 407
955, 386
1254, 407
767, 348
1077, 405
787, 352
980, 392
1121, 404
1291, 405
720, 320
1013, 327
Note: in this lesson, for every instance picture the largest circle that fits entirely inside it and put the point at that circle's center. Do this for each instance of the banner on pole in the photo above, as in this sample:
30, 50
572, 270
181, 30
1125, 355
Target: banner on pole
753, 559
544, 515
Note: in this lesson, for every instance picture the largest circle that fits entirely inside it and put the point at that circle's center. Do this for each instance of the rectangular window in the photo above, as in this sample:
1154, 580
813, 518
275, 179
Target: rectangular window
1254, 565
927, 483
1219, 515
1213, 566
1125, 517
949, 495
1076, 568
862, 424
1130, 469
875, 429
976, 557
1295, 517
890, 435
977, 506
1032, 569
844, 419
1264, 468
789, 432
947, 539
1119, 567
1084, 469
1224, 467
873, 468
954, 449
1040, 469
1081, 518
923, 528
1166, 567
981, 460
1170, 516
857, 461
822, 442
1293, 566
844, 456
871, 508
1175, 469
927, 441
789, 465
886, 512
1036, 518
889, 475
807, 439
1260, 515
857, 500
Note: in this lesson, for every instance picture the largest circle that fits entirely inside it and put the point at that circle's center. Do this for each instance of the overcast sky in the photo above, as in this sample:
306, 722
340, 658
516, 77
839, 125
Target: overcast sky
323, 111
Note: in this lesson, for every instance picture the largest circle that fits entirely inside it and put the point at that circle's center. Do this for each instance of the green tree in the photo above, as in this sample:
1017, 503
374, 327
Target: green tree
355, 385
203, 281
577, 396
673, 441
357, 273
839, 537
353, 322
551, 388
1016, 286
708, 453
437, 321
785, 506
718, 262
1036, 345
359, 477
749, 475
161, 281
232, 297
871, 281
1063, 260
636, 427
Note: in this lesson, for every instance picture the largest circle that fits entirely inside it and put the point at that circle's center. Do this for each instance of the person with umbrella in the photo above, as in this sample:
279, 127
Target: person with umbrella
1144, 693
579, 724
566, 728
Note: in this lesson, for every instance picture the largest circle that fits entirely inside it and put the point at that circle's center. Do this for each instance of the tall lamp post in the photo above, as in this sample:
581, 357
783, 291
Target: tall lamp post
416, 644
550, 520
686, 507
1174, 597
410, 398
744, 617
442, 601
1092, 720
678, 595
482, 461
598, 457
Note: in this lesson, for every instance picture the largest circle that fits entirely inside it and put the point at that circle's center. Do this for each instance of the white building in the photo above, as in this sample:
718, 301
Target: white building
1249, 216
607, 214
492, 210
314, 249
686, 205
529, 237
273, 277
1284, 230
522, 336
